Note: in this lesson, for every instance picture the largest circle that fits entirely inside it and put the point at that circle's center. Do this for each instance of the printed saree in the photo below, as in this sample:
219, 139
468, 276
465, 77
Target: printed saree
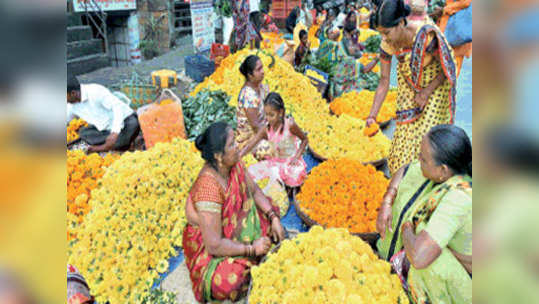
424, 203
222, 278
413, 74
347, 75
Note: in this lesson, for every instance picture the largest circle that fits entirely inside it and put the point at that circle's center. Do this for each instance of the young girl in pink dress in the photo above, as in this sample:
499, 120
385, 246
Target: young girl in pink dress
286, 165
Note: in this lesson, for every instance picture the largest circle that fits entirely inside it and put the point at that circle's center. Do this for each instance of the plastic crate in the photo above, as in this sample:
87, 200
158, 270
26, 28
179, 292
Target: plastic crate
198, 67
291, 4
320, 85
218, 53
278, 5
279, 13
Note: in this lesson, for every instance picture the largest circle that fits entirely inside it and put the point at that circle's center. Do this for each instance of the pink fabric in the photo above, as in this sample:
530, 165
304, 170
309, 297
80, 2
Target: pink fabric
416, 17
280, 167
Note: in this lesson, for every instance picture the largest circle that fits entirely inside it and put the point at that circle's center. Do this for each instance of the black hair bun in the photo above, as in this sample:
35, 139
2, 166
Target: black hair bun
200, 142
405, 9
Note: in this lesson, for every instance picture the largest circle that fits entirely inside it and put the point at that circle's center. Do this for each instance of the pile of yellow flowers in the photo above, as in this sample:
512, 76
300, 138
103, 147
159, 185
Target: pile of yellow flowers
343, 137
73, 128
271, 39
365, 34
137, 217
315, 42
325, 266
358, 105
329, 136
83, 174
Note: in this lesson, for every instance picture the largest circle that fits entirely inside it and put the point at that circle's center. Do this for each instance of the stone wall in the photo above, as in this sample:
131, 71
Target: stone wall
159, 10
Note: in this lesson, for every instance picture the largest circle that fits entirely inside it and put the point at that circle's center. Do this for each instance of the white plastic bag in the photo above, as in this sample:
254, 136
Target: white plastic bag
228, 26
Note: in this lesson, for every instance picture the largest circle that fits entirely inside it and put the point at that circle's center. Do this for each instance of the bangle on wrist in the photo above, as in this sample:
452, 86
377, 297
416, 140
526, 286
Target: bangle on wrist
270, 214
391, 191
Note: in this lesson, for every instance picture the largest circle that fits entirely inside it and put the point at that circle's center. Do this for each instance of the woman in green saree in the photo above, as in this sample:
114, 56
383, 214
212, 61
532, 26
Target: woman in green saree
426, 215
347, 72
230, 221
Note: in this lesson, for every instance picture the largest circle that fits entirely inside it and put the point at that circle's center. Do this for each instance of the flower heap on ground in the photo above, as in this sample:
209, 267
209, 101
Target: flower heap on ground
345, 194
325, 266
137, 218
271, 39
358, 105
73, 128
329, 135
83, 174
365, 34
315, 42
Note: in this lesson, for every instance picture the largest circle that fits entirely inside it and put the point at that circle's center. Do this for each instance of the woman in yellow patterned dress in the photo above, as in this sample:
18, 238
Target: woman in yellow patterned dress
426, 79
250, 111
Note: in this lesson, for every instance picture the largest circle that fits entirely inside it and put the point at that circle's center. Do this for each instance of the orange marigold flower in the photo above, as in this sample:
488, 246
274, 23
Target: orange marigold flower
349, 197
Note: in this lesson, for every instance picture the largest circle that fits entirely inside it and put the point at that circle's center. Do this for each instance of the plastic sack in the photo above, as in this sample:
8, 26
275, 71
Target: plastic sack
198, 67
459, 27
163, 120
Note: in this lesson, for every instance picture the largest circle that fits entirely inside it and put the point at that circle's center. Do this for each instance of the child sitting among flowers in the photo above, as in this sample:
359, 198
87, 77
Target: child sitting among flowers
286, 165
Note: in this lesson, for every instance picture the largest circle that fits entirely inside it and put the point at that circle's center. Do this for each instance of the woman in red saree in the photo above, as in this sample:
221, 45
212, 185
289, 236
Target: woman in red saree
230, 221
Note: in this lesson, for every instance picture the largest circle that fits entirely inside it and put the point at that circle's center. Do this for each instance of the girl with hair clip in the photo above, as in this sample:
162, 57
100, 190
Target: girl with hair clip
286, 165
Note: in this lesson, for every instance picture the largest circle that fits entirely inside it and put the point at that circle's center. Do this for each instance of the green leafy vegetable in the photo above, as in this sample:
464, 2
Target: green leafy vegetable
371, 81
206, 108
372, 44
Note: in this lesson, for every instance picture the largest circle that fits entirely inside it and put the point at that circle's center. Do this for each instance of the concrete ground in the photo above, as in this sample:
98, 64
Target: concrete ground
173, 60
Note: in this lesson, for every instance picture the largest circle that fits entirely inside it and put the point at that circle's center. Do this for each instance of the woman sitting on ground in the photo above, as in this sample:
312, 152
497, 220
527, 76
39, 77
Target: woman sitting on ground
230, 221
426, 214
348, 71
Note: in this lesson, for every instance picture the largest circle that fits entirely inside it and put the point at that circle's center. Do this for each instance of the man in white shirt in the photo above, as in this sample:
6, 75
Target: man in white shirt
113, 125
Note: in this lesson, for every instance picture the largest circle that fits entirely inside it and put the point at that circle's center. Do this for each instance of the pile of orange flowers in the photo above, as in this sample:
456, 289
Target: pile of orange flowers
83, 174
358, 105
73, 129
367, 58
343, 193
371, 130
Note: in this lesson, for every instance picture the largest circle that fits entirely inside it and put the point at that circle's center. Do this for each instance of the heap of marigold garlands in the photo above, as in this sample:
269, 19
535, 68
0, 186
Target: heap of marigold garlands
73, 127
358, 105
137, 217
329, 136
83, 174
325, 266
345, 194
